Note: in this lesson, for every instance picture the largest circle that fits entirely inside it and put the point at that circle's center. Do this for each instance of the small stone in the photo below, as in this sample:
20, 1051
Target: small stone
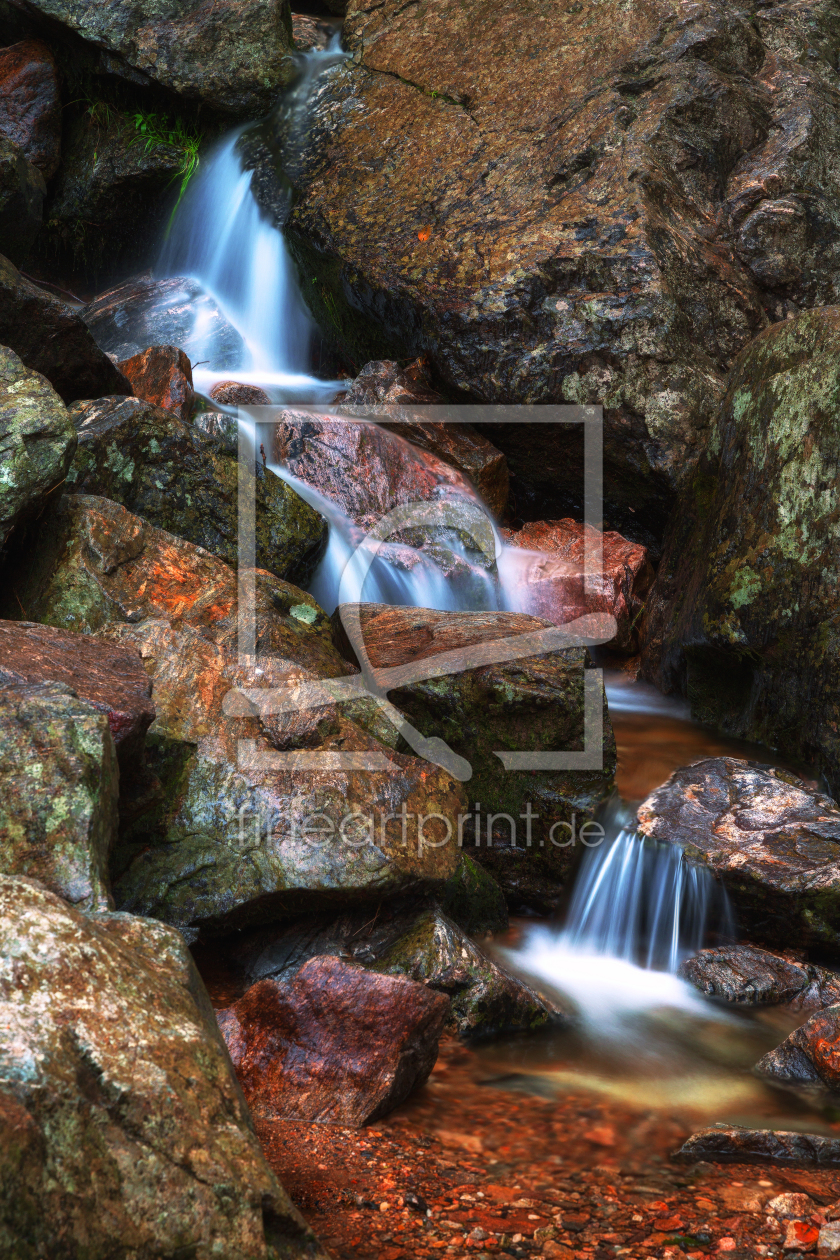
800, 1236
788, 1206
828, 1243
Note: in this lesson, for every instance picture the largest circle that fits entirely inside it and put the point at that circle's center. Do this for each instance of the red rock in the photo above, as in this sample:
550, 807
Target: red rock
800, 1236
620, 588
162, 375
30, 104
337, 1044
235, 394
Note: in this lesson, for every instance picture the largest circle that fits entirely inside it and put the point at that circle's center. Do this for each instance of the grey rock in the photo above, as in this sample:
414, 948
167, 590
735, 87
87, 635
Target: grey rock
747, 976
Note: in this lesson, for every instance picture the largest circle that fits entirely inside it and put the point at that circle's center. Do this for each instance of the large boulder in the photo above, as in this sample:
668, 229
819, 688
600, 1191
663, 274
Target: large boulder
22, 192
232, 57
166, 471
612, 225
773, 843
123, 1126
335, 1045
30, 103
59, 786
809, 1057
52, 339
743, 617
748, 976
162, 375
37, 441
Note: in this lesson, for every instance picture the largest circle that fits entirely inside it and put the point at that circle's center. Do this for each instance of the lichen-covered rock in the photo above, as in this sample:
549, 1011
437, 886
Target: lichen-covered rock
52, 339
473, 899
30, 103
743, 617
59, 785
162, 375
335, 1045
37, 441
809, 1056
22, 193
546, 236
773, 843
117, 1094
233, 57
747, 976
145, 458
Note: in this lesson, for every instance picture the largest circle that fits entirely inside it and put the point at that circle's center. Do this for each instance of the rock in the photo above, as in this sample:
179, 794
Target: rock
37, 442
742, 618
473, 899
828, 1243
111, 679
119, 1094
619, 586
385, 382
309, 32
147, 312
22, 192
728, 1144
52, 339
143, 457
773, 843
572, 261
59, 785
230, 57
791, 1206
748, 976
336, 1045
809, 1056
234, 394
162, 375
30, 103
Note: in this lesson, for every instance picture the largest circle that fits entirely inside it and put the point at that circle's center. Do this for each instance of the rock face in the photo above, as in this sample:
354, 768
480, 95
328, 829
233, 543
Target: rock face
549, 234
119, 1100
143, 457
809, 1056
162, 375
742, 619
728, 1144
147, 312
22, 192
59, 785
773, 843
53, 340
30, 103
748, 976
336, 1045
37, 442
622, 580
231, 57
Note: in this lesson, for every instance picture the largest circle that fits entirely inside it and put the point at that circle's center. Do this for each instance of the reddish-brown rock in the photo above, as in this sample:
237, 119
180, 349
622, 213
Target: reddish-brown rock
235, 394
620, 585
112, 678
30, 103
810, 1056
162, 375
336, 1045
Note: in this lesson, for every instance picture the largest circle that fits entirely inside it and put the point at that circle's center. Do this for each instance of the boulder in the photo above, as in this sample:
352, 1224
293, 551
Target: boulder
59, 785
308, 32
773, 842
52, 339
110, 678
119, 1100
809, 1057
139, 455
335, 1045
619, 586
729, 1144
37, 442
570, 257
162, 375
148, 312
231, 57
384, 382
747, 976
22, 192
30, 103
742, 619
235, 394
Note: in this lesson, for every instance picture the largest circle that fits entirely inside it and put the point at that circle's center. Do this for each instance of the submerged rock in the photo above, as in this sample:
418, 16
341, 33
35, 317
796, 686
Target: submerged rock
809, 1057
118, 1100
30, 103
52, 339
729, 1144
22, 193
748, 976
773, 843
335, 1045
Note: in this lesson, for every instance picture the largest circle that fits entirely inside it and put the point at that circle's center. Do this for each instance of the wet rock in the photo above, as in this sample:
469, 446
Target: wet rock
147, 312
748, 976
729, 1144
143, 457
473, 899
622, 575
309, 32
37, 442
231, 57
119, 1095
773, 843
235, 394
109, 678
742, 618
52, 339
59, 785
335, 1045
162, 375
30, 103
809, 1056
385, 382
22, 192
